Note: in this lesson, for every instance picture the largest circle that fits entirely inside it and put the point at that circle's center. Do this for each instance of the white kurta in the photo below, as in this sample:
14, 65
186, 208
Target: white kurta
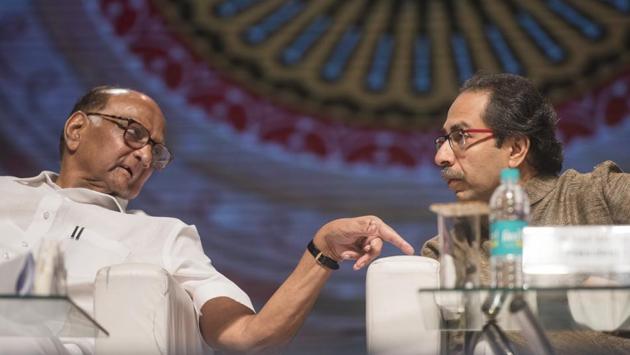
96, 230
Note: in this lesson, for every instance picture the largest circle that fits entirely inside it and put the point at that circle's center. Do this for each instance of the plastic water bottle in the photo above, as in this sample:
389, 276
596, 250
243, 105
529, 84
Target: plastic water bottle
509, 214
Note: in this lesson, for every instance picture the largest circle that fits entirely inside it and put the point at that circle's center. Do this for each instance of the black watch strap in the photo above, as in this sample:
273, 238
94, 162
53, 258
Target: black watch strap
321, 258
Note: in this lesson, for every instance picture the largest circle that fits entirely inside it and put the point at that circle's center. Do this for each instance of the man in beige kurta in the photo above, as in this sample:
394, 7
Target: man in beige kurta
500, 121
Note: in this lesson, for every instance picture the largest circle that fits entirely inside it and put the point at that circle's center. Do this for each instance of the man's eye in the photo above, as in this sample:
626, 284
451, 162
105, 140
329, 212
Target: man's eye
133, 132
457, 136
136, 132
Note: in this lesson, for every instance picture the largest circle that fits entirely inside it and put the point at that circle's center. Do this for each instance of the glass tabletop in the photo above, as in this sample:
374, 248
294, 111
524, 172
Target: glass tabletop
554, 308
45, 316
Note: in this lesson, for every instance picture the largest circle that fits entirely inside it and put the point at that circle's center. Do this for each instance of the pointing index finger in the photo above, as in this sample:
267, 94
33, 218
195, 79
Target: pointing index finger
389, 235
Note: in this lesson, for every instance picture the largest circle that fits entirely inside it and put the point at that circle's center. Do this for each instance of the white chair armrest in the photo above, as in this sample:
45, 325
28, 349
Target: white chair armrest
145, 311
399, 319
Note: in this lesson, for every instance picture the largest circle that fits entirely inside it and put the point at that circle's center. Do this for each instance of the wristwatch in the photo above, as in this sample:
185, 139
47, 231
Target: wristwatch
321, 258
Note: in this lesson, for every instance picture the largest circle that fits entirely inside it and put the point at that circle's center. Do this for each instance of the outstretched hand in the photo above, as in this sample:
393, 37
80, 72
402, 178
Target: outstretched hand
359, 238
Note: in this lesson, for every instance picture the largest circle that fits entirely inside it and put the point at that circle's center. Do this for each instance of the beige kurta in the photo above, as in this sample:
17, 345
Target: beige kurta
599, 197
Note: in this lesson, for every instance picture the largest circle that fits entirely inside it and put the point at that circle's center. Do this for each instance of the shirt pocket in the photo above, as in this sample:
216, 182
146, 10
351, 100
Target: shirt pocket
86, 255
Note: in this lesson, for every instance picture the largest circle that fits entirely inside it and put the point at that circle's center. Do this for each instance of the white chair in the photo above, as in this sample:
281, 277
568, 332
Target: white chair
145, 311
399, 319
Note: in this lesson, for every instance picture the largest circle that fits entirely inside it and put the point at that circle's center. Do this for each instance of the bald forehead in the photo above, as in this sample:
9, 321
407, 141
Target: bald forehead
140, 107
131, 95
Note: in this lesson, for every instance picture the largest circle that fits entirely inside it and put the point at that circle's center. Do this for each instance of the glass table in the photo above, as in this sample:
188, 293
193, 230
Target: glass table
531, 311
45, 316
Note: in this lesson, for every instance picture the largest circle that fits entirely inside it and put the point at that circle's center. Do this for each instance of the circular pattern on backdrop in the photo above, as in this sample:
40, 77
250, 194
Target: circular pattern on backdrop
397, 63
364, 82
253, 215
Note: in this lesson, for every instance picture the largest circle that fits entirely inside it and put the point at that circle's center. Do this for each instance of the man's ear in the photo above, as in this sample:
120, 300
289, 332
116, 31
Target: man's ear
74, 128
519, 147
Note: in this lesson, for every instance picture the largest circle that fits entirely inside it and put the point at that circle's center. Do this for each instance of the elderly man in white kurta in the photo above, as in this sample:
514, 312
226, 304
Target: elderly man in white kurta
111, 143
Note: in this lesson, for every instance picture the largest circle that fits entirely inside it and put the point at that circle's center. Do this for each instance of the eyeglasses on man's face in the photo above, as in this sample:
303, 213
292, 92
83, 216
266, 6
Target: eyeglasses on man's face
458, 139
137, 136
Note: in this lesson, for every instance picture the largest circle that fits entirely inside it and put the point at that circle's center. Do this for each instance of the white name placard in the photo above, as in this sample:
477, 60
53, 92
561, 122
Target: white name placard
576, 249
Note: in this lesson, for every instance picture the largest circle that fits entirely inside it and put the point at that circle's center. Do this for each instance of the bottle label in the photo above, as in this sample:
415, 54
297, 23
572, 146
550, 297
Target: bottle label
507, 237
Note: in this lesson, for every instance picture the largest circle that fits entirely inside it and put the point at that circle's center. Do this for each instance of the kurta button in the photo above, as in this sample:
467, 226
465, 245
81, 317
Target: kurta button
46, 215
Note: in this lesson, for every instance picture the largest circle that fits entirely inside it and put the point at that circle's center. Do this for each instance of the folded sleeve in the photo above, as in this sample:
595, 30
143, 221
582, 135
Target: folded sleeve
185, 259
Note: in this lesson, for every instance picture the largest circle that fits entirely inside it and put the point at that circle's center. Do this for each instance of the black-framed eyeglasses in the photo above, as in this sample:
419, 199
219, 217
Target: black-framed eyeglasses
137, 136
457, 139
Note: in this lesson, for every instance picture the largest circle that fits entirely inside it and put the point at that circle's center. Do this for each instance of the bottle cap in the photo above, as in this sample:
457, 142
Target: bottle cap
510, 174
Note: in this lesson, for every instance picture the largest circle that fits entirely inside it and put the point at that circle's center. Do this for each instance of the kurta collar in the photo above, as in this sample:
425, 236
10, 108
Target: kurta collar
78, 194
538, 187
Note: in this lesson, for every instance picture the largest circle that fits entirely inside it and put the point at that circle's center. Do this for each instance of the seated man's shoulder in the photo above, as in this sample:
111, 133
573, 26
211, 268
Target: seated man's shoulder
33, 180
141, 214
600, 171
605, 168
8, 179
159, 222
11, 183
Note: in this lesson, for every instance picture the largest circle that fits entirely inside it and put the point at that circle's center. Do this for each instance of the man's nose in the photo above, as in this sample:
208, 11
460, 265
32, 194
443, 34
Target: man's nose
444, 155
145, 155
